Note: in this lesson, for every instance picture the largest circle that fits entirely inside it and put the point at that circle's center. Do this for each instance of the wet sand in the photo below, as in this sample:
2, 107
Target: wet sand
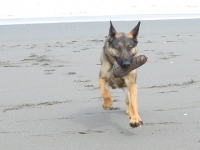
50, 97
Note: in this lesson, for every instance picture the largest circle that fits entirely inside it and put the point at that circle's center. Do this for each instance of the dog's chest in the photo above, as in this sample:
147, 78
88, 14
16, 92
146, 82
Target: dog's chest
116, 83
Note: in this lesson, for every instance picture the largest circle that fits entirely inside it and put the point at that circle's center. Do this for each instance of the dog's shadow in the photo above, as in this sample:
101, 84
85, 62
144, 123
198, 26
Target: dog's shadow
98, 120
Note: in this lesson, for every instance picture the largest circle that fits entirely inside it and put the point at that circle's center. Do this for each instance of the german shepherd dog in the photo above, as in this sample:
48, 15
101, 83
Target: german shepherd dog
120, 50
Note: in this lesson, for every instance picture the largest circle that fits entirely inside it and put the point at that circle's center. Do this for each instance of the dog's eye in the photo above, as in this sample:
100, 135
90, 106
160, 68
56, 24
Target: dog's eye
130, 47
115, 46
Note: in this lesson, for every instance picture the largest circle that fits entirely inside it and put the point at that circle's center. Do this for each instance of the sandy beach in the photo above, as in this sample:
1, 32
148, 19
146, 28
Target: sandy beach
50, 97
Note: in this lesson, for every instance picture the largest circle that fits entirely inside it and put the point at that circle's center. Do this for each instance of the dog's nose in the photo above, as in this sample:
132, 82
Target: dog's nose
126, 64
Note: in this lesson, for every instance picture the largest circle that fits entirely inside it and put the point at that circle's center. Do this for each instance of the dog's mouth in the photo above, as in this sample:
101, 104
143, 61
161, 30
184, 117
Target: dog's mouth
124, 63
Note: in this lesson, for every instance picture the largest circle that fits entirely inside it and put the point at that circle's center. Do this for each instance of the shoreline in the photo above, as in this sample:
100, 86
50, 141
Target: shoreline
81, 19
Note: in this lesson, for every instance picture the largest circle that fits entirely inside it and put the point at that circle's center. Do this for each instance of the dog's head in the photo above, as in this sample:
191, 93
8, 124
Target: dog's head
123, 47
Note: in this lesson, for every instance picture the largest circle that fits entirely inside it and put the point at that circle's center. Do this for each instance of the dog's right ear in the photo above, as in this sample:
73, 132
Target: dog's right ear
112, 31
135, 31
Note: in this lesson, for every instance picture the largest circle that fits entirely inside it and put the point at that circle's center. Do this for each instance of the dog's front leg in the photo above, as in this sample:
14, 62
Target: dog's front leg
105, 93
135, 120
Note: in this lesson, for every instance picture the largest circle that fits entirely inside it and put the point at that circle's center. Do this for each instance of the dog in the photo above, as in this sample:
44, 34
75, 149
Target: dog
119, 50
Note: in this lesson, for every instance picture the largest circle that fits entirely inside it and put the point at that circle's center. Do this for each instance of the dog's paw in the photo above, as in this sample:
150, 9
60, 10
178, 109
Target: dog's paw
114, 108
110, 108
107, 105
136, 124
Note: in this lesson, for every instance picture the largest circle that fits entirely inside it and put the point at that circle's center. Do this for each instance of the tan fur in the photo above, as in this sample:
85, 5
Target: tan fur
129, 35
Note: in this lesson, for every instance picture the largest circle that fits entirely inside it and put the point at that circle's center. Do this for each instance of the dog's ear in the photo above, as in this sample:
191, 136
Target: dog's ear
135, 31
112, 31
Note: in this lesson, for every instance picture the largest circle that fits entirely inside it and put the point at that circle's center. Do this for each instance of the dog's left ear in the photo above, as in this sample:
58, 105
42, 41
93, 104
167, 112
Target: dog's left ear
112, 31
135, 31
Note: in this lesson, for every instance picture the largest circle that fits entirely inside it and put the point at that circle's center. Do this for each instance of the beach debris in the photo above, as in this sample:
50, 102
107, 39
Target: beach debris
82, 80
185, 114
183, 84
35, 105
171, 62
71, 73
83, 133
88, 85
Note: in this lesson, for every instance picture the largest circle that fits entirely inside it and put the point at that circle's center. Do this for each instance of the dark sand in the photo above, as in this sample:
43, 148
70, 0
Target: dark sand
50, 97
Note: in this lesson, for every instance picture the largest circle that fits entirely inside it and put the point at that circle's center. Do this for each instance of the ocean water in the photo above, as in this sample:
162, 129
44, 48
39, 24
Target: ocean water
55, 11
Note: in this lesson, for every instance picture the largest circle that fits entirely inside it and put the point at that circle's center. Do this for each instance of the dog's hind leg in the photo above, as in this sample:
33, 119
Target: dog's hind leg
108, 101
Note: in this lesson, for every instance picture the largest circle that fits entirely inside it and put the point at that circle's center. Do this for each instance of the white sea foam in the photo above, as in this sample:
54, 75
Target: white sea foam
47, 11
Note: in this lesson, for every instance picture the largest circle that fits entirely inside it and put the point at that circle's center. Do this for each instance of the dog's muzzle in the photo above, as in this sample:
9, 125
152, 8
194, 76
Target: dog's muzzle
124, 63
